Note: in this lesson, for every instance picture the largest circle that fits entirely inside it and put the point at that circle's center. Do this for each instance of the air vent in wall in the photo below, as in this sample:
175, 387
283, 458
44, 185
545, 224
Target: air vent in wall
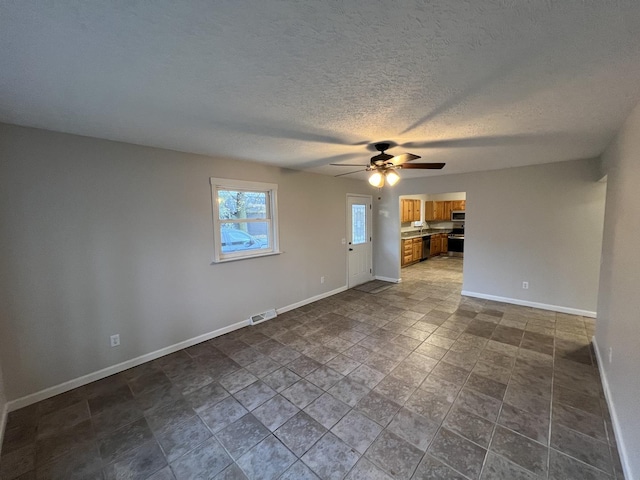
263, 317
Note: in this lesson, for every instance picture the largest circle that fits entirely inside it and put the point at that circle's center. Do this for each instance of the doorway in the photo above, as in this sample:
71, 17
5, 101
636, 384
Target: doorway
359, 240
432, 230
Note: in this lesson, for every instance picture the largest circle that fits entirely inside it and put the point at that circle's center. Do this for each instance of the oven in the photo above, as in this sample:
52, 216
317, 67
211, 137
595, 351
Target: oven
456, 241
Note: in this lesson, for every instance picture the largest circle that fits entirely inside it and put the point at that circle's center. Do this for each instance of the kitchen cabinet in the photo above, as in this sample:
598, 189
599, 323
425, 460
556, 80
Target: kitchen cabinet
411, 251
439, 244
417, 249
407, 252
458, 205
435, 245
447, 206
429, 210
410, 210
437, 211
441, 211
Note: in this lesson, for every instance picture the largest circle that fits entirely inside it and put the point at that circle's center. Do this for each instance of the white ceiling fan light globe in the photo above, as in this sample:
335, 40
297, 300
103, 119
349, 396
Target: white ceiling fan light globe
392, 177
376, 179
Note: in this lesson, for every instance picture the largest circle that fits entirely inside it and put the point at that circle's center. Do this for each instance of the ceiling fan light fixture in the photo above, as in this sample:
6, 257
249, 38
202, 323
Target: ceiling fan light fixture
392, 177
376, 179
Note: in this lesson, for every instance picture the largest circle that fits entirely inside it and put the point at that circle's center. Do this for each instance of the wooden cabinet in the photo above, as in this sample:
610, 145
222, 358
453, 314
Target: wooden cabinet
411, 251
435, 211
435, 245
444, 211
439, 244
417, 249
429, 211
458, 205
407, 252
441, 211
410, 210
412, 248
405, 212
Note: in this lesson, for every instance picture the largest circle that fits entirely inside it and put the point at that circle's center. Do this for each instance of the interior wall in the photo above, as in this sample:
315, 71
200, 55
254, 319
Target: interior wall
542, 224
104, 237
3, 406
618, 324
442, 197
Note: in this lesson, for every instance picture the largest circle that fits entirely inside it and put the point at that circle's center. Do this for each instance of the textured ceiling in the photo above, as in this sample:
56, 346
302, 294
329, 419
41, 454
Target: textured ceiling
479, 84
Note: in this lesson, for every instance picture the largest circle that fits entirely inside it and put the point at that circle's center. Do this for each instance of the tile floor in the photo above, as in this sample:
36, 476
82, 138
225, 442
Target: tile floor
416, 382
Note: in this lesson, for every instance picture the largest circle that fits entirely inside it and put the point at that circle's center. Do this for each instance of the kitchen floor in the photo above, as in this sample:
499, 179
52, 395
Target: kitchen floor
415, 382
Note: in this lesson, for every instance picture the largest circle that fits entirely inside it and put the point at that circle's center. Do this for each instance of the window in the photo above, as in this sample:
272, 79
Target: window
358, 224
244, 219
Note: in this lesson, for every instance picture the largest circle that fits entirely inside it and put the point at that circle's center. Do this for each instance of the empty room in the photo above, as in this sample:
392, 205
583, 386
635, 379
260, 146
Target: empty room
299, 240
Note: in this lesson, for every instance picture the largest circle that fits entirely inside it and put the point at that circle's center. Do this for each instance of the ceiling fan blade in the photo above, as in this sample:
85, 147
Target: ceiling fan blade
401, 159
348, 165
349, 173
422, 166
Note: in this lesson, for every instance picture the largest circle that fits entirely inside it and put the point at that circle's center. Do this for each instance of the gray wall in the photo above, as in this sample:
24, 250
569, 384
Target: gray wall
103, 237
618, 324
3, 404
541, 224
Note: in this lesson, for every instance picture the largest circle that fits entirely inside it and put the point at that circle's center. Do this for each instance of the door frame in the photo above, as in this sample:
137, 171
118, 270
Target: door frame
369, 200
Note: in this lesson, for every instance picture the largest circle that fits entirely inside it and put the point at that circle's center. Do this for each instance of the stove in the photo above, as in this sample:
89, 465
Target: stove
456, 240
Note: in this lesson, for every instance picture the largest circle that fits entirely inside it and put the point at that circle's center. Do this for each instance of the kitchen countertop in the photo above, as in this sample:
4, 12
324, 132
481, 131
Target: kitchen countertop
425, 233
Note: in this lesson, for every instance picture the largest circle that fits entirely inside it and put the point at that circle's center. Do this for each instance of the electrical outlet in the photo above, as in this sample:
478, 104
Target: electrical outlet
115, 340
321, 279
525, 285
610, 354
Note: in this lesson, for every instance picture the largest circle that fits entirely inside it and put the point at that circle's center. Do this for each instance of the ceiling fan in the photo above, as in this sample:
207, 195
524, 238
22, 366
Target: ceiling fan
384, 166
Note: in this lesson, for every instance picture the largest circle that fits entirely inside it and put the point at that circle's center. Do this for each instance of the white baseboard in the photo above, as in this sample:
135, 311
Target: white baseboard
614, 416
526, 303
3, 422
120, 367
307, 301
388, 279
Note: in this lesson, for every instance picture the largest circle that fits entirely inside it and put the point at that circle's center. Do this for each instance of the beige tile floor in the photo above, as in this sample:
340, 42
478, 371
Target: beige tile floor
416, 382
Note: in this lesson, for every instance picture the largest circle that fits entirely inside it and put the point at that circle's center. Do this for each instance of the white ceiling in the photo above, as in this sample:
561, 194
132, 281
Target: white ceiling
300, 83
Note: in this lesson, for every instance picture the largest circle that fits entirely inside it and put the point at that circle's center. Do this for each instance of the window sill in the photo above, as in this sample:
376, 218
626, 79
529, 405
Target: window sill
235, 259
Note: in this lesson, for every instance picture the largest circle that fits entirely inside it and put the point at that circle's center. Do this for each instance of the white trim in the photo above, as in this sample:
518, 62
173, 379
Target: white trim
614, 416
526, 303
307, 301
388, 279
120, 367
3, 421
236, 259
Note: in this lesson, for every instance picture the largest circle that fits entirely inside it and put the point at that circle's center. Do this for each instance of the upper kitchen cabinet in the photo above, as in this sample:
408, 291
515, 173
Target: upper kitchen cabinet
410, 211
458, 204
441, 211
435, 211
429, 211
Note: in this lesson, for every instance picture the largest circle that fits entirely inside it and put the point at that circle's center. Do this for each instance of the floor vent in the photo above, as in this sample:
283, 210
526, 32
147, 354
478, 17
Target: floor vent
263, 317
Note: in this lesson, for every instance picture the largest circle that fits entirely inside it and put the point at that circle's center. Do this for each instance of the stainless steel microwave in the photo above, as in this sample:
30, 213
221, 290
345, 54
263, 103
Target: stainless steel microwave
457, 216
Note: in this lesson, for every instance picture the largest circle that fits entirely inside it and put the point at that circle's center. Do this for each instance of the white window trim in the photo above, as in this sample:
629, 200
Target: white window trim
230, 184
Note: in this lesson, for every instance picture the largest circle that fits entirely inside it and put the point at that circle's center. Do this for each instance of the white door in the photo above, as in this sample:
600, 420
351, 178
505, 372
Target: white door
359, 239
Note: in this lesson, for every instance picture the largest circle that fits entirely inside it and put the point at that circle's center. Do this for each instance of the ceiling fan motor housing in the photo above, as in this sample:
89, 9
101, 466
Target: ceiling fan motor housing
381, 158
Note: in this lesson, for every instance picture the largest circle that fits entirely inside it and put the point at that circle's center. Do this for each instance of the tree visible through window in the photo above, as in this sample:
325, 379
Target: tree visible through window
244, 218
